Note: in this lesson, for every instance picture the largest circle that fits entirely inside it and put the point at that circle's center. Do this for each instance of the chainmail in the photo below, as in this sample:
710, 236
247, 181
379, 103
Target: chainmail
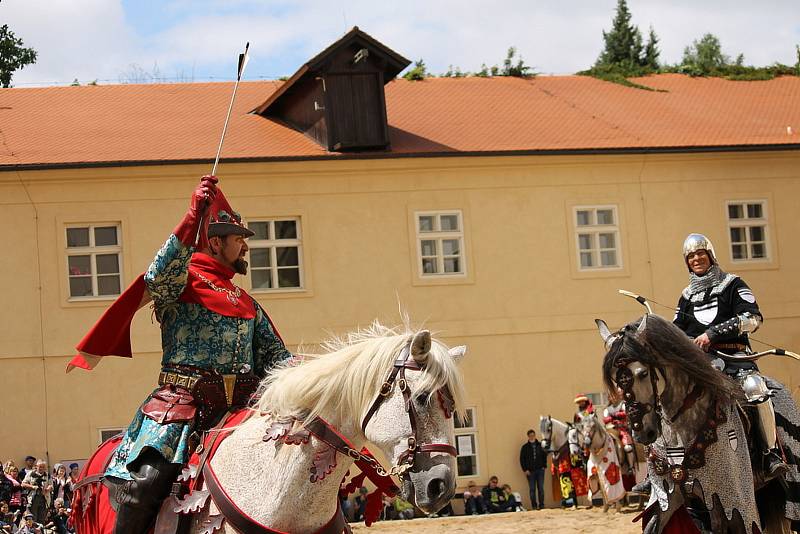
715, 279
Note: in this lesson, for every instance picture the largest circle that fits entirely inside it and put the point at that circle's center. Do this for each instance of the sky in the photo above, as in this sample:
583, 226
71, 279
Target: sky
199, 40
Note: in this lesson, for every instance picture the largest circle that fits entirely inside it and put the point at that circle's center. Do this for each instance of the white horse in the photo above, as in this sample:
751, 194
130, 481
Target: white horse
282, 468
562, 440
603, 458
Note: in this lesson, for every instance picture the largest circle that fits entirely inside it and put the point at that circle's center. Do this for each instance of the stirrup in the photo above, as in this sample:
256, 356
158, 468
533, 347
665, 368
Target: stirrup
776, 467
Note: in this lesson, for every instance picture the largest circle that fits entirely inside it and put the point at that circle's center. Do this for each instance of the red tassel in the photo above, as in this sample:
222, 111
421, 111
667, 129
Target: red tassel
355, 483
374, 505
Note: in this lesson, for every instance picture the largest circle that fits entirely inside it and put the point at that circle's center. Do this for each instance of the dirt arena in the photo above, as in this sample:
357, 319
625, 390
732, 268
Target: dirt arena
549, 520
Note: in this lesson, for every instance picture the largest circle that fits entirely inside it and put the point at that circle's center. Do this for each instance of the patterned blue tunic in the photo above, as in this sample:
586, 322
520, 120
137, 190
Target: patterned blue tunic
192, 335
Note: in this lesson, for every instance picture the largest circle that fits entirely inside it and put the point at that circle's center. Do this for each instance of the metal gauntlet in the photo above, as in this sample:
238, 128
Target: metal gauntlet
741, 324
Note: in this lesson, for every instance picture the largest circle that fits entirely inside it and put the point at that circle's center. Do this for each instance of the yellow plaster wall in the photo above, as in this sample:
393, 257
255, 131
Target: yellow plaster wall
523, 308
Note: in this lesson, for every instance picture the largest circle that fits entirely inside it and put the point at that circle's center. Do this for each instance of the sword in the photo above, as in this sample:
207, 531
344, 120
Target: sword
243, 59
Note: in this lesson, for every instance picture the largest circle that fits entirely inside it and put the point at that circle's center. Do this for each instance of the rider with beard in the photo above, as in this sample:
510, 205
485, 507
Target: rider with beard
217, 344
718, 310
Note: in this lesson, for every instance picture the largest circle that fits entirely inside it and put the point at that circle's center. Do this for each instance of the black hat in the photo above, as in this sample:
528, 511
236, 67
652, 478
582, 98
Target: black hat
29, 457
225, 223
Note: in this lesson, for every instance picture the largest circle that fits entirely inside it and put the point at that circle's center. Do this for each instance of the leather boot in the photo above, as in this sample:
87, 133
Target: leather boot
134, 519
775, 465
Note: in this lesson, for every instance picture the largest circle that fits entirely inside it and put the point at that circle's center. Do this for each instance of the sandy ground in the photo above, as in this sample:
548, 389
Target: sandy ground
549, 520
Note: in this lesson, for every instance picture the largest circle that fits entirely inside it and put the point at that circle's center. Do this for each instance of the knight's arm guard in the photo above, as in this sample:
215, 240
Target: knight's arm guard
268, 347
743, 323
167, 275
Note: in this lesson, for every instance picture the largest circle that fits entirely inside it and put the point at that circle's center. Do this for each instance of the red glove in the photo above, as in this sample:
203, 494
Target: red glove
202, 197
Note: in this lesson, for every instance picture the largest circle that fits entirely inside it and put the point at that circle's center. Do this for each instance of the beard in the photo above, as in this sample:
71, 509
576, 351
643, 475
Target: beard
240, 266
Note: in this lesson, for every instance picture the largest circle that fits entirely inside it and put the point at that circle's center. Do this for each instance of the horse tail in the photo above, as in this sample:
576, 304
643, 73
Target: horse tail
91, 507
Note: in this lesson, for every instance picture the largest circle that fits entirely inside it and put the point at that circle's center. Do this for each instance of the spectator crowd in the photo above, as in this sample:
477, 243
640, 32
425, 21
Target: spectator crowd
35, 499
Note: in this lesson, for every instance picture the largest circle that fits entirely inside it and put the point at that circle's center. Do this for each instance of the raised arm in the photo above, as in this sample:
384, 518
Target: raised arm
166, 277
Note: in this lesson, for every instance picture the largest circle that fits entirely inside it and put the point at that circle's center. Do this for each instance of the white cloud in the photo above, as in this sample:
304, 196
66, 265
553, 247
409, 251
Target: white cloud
91, 39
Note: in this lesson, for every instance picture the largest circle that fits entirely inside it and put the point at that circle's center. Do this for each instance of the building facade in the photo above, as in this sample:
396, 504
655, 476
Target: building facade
513, 254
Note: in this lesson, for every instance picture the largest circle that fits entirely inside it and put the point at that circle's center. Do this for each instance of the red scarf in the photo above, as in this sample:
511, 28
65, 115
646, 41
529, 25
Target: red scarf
111, 334
206, 273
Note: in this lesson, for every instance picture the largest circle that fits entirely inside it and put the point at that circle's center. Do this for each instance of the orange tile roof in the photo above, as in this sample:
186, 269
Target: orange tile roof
119, 124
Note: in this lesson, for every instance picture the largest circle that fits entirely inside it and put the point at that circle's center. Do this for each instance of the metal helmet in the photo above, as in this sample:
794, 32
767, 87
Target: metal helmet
695, 242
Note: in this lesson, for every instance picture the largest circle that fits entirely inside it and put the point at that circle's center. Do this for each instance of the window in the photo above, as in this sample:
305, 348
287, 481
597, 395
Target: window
597, 238
747, 223
275, 254
440, 239
598, 399
94, 260
466, 444
108, 433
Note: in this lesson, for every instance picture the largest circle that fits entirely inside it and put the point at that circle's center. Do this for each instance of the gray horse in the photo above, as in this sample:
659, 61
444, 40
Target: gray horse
689, 414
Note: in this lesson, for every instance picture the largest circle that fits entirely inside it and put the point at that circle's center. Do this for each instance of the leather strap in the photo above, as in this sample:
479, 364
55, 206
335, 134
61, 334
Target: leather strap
246, 524
688, 402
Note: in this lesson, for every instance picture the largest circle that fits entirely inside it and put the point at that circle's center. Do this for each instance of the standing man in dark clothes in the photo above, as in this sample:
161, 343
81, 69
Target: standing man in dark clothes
533, 461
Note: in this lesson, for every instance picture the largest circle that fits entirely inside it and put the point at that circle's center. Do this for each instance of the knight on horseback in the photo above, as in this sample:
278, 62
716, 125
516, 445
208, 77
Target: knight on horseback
218, 343
718, 310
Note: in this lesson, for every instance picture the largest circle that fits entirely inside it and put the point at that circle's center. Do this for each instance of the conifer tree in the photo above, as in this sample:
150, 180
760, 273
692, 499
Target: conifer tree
623, 43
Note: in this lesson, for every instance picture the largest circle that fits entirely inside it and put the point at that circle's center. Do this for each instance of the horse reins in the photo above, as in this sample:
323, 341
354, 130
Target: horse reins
398, 375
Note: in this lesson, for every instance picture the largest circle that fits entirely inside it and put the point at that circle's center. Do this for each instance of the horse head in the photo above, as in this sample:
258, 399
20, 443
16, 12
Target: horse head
591, 430
546, 431
655, 364
412, 422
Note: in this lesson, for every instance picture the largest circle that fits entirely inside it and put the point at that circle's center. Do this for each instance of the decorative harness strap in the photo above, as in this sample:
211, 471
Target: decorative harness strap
398, 374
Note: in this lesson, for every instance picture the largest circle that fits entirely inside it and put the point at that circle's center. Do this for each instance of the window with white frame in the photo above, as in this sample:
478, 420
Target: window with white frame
94, 262
598, 399
597, 237
466, 433
440, 240
276, 254
747, 224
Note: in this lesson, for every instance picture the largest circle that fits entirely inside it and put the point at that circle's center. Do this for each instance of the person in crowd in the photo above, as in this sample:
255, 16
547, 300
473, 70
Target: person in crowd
473, 500
360, 504
512, 497
346, 505
74, 471
388, 513
29, 525
30, 462
39, 487
16, 501
533, 461
403, 509
6, 519
62, 485
59, 518
495, 498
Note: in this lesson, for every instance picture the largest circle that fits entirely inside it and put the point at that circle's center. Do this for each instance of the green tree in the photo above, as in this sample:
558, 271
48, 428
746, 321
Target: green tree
418, 72
705, 56
623, 44
13, 55
651, 51
516, 68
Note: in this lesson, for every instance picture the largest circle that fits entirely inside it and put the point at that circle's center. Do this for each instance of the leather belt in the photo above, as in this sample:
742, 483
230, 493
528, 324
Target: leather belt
177, 379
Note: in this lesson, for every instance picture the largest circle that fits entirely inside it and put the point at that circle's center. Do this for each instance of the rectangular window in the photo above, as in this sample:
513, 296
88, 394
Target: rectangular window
94, 263
598, 399
466, 444
276, 254
440, 238
108, 433
747, 225
597, 237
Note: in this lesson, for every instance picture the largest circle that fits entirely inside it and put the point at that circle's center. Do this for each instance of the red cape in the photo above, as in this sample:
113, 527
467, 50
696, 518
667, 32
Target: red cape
111, 334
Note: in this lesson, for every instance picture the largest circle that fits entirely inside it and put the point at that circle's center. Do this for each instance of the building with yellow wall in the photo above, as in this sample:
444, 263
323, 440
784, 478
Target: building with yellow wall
503, 214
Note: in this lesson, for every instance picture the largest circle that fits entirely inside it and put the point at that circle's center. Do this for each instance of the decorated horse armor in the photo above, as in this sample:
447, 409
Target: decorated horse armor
722, 307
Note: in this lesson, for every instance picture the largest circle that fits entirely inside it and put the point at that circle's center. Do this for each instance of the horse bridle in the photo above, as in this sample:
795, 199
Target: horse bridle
398, 375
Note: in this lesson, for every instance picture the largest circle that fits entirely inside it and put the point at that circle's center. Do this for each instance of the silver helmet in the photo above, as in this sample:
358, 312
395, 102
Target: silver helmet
695, 242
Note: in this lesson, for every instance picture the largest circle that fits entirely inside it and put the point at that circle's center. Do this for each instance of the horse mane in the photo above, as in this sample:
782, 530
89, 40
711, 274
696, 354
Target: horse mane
663, 345
347, 376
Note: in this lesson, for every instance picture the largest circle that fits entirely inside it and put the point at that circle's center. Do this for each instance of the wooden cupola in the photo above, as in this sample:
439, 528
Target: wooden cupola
337, 97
